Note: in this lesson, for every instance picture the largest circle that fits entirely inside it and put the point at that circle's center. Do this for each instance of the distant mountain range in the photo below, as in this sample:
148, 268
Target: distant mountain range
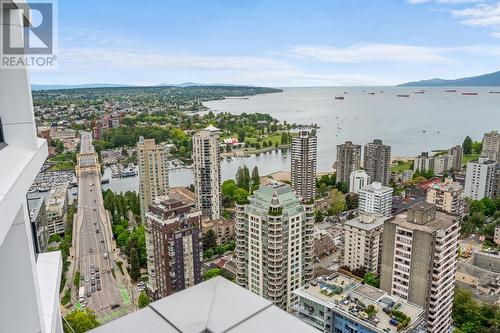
113, 85
76, 86
492, 79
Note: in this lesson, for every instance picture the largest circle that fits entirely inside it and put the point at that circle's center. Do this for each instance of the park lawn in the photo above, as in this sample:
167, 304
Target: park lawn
401, 167
469, 158
63, 165
276, 137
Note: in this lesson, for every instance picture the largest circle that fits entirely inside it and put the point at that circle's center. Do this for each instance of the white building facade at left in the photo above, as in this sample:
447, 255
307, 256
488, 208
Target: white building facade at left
29, 281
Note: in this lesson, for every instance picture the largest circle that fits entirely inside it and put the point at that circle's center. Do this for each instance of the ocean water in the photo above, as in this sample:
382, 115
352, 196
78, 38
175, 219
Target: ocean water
410, 125
400, 122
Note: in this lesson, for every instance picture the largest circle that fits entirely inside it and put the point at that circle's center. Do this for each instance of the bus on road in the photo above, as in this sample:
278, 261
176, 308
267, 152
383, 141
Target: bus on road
81, 295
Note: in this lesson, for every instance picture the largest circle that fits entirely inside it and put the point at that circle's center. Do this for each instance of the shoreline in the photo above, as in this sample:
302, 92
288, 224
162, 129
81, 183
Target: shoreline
247, 153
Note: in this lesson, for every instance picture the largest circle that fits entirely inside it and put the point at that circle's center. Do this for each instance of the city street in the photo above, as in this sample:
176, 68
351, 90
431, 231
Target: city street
95, 259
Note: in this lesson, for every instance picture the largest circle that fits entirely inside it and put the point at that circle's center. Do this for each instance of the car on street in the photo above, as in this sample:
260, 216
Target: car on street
82, 277
91, 250
93, 289
97, 269
97, 276
96, 231
98, 287
89, 293
87, 279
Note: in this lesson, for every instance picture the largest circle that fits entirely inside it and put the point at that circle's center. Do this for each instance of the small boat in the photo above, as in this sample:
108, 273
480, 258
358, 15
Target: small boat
424, 131
105, 181
450, 90
494, 92
419, 92
403, 95
339, 97
43, 189
371, 93
469, 93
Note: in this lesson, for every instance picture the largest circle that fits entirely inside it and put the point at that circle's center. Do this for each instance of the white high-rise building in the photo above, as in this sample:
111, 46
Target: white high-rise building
153, 177
274, 244
206, 169
363, 242
480, 179
303, 165
29, 281
376, 198
419, 261
357, 180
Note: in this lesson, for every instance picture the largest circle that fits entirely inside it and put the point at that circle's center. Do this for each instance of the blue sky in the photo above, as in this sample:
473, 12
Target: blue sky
273, 42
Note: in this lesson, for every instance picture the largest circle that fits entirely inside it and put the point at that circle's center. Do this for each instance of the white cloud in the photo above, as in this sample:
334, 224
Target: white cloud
369, 53
418, 2
486, 15
170, 67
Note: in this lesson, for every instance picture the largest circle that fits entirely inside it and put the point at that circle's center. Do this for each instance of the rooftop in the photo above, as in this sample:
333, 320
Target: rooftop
367, 221
376, 187
209, 307
274, 194
348, 296
440, 221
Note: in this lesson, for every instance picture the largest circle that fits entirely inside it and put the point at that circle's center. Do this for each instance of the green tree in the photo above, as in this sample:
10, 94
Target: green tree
467, 146
343, 187
477, 147
241, 196
242, 133
80, 321
372, 280
338, 202
352, 200
322, 189
211, 273
135, 272
76, 279
209, 240
143, 300
255, 177
243, 177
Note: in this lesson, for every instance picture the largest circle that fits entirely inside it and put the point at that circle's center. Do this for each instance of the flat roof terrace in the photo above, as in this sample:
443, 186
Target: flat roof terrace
373, 307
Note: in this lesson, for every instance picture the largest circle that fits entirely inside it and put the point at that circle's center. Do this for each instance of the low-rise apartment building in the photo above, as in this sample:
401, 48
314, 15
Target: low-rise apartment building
363, 242
57, 206
447, 196
341, 304
376, 198
223, 228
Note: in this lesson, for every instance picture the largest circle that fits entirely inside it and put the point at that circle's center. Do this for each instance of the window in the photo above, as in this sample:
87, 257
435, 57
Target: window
2, 140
